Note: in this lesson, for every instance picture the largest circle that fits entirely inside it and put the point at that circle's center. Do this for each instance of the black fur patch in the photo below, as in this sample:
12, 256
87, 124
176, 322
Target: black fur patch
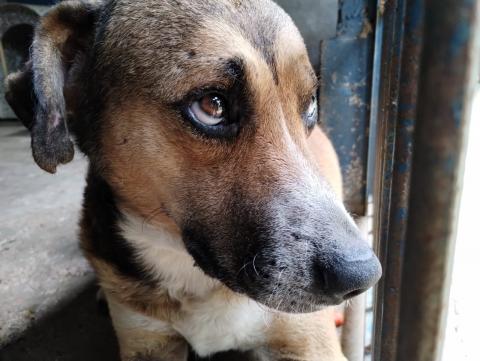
100, 223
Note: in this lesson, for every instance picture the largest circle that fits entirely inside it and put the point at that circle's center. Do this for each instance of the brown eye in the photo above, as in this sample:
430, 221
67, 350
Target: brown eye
210, 109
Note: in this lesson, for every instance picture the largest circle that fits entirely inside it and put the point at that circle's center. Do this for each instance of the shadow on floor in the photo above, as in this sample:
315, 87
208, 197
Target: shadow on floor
79, 331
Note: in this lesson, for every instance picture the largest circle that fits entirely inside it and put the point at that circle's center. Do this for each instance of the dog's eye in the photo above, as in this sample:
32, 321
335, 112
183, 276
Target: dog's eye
312, 108
311, 115
209, 110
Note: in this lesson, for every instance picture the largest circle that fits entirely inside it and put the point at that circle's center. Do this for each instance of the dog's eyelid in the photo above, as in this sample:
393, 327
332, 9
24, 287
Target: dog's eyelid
315, 87
200, 91
310, 111
307, 100
230, 75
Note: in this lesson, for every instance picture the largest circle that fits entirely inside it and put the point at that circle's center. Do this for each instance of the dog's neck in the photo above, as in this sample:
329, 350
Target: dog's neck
163, 254
136, 249
212, 318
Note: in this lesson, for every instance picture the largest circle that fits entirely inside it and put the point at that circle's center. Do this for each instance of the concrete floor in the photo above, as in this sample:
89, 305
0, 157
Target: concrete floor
47, 290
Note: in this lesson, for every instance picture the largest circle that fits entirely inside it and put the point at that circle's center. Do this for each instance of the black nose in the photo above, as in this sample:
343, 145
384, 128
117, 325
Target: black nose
348, 275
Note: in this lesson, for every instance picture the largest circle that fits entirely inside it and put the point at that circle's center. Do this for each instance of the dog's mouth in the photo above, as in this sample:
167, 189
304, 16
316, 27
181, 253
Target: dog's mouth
290, 299
303, 303
290, 289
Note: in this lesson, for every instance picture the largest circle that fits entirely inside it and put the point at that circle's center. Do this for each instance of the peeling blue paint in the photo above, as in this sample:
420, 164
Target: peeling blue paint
415, 18
401, 214
345, 94
407, 122
449, 164
457, 111
402, 167
403, 107
460, 38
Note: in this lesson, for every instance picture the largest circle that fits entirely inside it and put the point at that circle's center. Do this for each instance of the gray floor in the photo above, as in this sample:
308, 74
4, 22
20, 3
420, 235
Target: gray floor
47, 292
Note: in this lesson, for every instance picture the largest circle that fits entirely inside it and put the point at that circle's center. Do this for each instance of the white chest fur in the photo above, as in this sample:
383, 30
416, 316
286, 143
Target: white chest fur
211, 321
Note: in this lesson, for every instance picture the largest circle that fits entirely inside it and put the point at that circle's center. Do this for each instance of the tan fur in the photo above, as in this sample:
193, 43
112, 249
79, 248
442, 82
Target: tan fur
305, 337
326, 159
139, 342
148, 300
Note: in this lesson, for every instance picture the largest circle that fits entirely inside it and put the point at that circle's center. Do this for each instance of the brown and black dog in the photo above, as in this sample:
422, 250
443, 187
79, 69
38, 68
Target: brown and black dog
213, 213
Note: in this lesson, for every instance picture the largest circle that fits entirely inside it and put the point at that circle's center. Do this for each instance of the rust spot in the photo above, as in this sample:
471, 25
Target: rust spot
381, 6
355, 100
334, 77
354, 184
367, 27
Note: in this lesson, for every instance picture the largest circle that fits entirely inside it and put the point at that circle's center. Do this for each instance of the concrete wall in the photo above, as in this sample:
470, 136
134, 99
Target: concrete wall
316, 19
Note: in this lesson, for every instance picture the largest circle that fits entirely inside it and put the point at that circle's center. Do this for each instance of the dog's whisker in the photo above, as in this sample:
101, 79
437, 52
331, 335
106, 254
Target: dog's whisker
348, 303
253, 263
277, 285
243, 268
280, 303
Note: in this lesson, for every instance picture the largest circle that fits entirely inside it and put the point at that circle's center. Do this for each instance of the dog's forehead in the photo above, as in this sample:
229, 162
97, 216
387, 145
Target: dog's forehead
167, 42
257, 20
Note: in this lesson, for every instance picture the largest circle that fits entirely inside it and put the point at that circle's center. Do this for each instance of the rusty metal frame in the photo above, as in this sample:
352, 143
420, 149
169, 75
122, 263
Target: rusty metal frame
427, 63
401, 32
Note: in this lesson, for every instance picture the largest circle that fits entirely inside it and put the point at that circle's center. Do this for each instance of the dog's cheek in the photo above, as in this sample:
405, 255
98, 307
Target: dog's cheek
209, 253
214, 251
199, 248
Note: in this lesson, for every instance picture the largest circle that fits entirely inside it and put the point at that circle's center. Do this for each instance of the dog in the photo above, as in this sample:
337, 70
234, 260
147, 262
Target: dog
213, 212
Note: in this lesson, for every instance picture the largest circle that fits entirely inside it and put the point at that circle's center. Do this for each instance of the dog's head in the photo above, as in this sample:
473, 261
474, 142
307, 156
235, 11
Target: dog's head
198, 114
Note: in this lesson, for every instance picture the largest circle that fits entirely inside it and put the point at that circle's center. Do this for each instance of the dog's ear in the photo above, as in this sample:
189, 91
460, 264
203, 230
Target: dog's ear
36, 94
20, 96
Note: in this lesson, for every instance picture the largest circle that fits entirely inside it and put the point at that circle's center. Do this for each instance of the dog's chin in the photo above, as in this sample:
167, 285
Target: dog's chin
292, 302
296, 308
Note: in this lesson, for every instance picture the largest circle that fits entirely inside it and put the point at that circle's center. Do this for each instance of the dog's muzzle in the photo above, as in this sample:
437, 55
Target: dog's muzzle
304, 272
293, 256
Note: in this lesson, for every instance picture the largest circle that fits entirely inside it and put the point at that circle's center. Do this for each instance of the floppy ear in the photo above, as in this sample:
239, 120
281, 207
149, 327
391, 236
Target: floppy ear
19, 94
36, 94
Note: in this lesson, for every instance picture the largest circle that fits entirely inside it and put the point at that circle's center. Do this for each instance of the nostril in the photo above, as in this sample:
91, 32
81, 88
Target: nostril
345, 279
